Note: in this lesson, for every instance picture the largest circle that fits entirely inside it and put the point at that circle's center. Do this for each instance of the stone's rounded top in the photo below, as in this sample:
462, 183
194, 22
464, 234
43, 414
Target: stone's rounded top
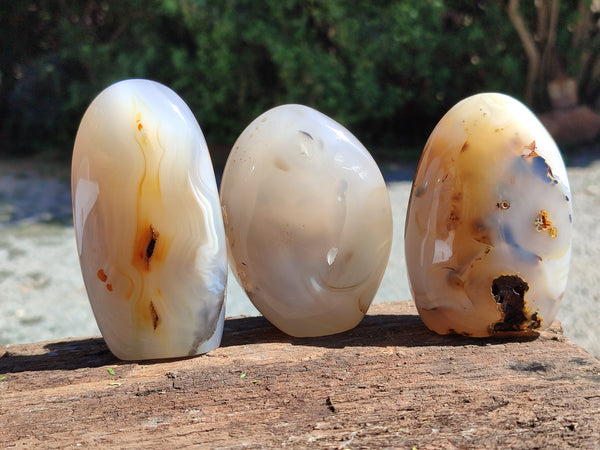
296, 137
498, 119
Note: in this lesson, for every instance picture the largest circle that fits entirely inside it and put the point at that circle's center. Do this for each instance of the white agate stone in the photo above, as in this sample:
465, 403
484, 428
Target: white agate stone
308, 221
488, 227
148, 225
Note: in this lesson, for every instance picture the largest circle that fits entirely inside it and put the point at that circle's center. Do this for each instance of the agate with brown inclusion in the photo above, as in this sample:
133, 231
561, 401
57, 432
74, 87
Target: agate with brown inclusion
488, 229
148, 225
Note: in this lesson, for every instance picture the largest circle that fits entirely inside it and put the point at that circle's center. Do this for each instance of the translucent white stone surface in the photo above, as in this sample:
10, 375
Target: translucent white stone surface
308, 221
148, 224
488, 227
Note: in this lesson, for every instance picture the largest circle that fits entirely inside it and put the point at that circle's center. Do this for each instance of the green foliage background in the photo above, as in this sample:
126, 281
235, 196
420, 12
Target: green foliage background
387, 70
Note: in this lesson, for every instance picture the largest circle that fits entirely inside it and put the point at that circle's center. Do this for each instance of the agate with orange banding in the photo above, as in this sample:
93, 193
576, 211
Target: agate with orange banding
148, 223
308, 221
489, 222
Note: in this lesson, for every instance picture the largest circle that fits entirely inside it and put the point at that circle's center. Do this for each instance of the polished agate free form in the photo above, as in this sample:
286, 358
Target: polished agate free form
488, 227
308, 221
148, 223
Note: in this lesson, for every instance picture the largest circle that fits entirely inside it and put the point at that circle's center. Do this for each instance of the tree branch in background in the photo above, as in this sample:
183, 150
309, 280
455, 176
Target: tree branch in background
550, 68
533, 55
588, 45
581, 33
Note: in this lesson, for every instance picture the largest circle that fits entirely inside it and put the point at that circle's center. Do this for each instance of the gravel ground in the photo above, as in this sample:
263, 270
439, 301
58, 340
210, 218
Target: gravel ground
42, 295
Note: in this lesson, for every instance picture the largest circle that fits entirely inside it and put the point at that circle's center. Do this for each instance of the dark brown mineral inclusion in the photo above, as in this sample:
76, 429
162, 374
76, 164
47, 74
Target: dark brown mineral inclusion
151, 243
509, 292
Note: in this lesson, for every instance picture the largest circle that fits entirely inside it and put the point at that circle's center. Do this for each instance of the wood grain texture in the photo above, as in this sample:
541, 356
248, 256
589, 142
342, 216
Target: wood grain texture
388, 382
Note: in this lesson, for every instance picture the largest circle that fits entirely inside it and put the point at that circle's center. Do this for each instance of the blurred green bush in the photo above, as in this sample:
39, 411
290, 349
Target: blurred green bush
387, 70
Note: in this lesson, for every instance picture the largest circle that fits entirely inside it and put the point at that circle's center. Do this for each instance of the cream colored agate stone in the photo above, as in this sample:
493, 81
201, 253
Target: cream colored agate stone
148, 225
308, 221
488, 227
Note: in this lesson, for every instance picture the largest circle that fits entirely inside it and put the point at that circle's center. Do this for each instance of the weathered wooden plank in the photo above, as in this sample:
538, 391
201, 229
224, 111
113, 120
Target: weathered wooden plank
388, 382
